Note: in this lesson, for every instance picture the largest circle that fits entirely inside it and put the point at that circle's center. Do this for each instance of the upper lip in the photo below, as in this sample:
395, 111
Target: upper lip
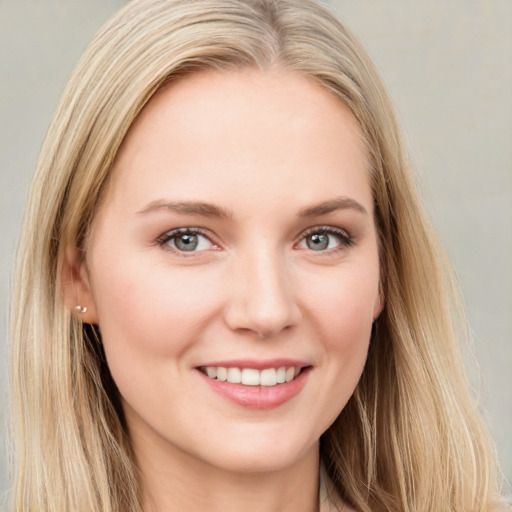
258, 364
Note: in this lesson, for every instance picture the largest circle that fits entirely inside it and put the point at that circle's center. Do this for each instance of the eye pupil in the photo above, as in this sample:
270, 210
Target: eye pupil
186, 242
317, 241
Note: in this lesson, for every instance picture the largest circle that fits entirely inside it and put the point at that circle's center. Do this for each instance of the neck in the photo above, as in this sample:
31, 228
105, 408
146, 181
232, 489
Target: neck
174, 480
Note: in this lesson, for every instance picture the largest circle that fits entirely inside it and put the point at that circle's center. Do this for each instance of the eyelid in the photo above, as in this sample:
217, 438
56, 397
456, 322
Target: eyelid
163, 239
347, 239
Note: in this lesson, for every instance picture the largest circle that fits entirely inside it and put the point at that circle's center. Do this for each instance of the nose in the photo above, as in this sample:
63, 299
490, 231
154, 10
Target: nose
262, 299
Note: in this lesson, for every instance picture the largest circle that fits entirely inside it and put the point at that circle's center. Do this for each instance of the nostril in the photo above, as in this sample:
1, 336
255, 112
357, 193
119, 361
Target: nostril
246, 317
262, 298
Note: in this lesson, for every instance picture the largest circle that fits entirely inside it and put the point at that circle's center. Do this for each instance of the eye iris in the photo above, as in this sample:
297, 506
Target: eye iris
318, 241
186, 242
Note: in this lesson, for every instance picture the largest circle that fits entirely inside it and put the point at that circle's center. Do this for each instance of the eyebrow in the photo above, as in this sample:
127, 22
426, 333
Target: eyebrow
338, 203
187, 208
211, 210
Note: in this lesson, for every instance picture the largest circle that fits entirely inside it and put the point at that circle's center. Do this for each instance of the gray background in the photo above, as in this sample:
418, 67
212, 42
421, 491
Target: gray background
448, 66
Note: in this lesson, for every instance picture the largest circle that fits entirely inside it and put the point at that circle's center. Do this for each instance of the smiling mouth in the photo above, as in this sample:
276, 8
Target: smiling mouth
251, 376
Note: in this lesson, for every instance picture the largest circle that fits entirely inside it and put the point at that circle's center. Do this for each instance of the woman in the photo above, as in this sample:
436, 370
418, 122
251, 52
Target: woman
235, 297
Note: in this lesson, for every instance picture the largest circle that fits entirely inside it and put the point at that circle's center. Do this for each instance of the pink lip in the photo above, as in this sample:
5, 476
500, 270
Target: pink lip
258, 397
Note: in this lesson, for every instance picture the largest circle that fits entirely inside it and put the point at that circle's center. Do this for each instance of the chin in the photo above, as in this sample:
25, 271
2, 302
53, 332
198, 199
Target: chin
263, 455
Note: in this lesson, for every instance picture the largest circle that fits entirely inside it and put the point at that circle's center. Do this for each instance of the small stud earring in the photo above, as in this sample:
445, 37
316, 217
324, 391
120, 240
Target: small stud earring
81, 309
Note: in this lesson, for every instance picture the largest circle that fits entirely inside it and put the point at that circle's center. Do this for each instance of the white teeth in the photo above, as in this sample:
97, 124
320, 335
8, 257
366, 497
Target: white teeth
281, 375
268, 377
211, 371
234, 375
251, 376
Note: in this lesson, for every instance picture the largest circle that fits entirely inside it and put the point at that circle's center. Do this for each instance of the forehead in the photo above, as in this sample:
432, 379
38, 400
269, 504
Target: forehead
243, 130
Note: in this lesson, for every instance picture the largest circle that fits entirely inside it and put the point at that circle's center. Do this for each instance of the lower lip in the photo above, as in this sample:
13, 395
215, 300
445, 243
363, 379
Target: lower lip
258, 397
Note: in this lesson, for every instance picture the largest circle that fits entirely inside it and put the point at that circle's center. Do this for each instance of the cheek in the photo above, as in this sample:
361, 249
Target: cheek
344, 302
346, 332
149, 321
154, 313
338, 310
342, 311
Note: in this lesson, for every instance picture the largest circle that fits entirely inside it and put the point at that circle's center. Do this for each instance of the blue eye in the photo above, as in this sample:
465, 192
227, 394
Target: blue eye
186, 240
325, 239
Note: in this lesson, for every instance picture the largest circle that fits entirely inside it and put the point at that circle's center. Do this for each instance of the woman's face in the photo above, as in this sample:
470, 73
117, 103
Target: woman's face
237, 241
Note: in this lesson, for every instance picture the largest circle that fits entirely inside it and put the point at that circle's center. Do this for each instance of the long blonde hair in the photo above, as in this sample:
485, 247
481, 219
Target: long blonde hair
410, 439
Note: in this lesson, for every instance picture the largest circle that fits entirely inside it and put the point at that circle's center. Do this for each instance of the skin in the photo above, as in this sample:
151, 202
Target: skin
263, 147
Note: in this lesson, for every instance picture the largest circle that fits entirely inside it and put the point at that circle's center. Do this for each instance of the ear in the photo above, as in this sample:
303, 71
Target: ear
379, 302
75, 288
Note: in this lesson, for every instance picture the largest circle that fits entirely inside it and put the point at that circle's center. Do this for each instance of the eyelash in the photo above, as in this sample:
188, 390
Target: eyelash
346, 240
170, 235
